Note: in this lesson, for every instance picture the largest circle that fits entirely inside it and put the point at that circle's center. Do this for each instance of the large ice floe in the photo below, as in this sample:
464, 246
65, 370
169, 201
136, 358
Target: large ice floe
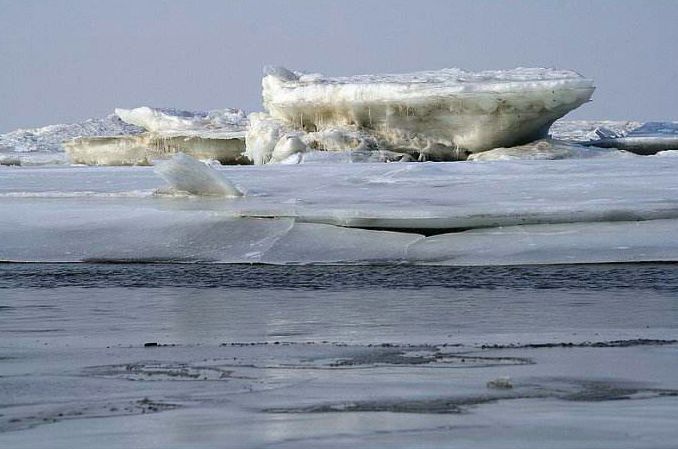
436, 115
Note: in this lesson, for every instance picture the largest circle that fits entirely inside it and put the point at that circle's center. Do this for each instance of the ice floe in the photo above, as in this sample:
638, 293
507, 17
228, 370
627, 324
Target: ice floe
492, 213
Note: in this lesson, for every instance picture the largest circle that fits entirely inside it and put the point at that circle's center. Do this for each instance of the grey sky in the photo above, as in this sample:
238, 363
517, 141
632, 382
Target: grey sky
63, 61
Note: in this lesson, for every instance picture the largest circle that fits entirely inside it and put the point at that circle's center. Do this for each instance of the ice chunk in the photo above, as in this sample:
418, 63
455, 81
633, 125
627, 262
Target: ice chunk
142, 149
548, 149
287, 146
262, 136
214, 135
440, 114
187, 174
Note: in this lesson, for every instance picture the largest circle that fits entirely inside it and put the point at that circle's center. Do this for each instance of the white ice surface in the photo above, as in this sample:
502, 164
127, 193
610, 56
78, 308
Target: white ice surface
610, 210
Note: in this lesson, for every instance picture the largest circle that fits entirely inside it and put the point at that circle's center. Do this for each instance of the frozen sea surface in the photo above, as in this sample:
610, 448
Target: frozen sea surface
470, 213
255, 356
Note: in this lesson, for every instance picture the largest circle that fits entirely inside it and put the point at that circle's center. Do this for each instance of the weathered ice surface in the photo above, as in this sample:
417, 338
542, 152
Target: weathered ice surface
443, 114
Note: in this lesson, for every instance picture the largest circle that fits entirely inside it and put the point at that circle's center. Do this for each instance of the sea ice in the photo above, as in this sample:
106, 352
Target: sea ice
49, 138
172, 122
491, 213
186, 174
586, 130
214, 135
650, 138
143, 149
443, 114
263, 133
548, 149
44, 146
